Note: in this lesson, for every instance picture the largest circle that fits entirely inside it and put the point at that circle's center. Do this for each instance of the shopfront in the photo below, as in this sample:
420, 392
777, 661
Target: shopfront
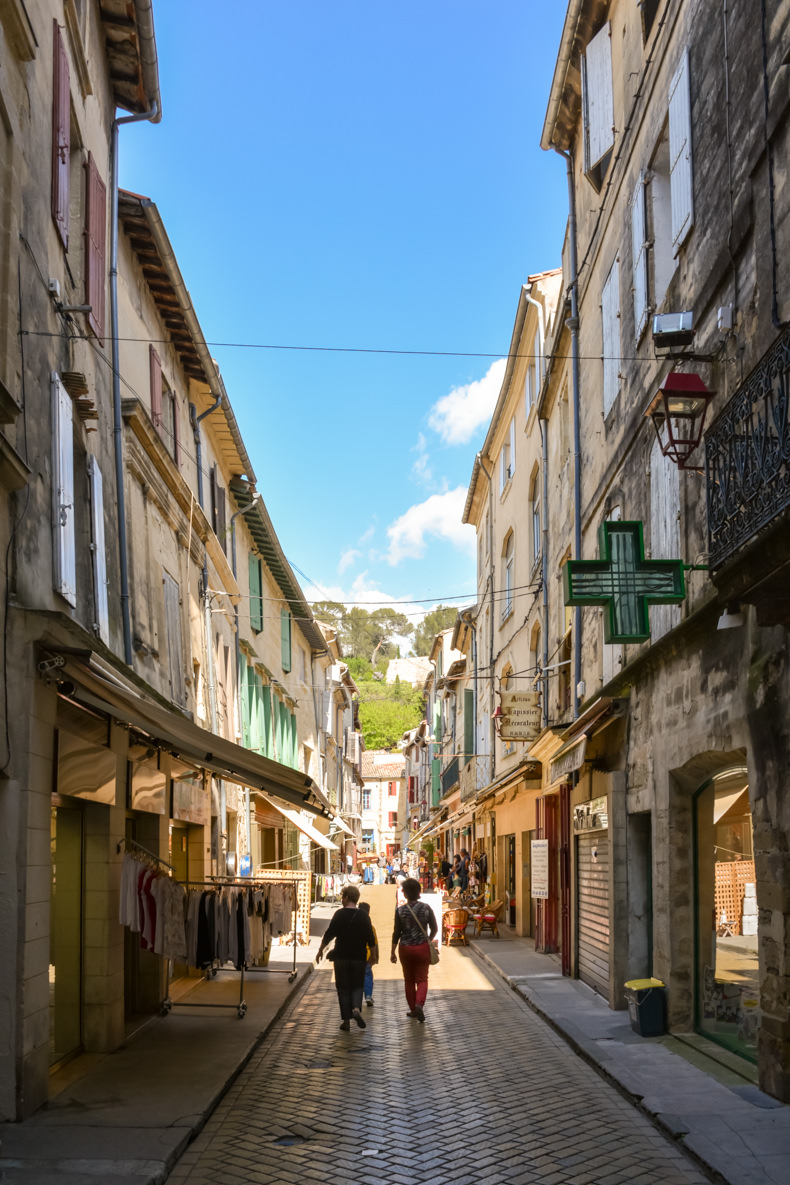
726, 964
591, 832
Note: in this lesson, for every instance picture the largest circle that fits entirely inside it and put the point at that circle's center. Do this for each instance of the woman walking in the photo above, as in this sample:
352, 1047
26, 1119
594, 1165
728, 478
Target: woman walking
415, 925
353, 934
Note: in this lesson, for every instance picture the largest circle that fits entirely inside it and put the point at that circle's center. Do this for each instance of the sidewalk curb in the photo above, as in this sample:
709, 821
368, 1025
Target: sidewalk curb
635, 1100
197, 1127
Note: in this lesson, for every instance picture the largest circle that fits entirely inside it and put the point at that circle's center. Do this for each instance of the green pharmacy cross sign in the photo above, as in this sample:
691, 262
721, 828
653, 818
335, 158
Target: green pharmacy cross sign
624, 582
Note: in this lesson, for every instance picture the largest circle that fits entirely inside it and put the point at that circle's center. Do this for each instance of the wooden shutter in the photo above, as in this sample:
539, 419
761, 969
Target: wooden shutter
285, 639
212, 479
155, 370
61, 136
328, 713
98, 548
610, 326
664, 531
512, 446
256, 594
681, 182
222, 533
469, 724
173, 627
176, 433
294, 762
639, 254
268, 744
65, 581
95, 243
598, 97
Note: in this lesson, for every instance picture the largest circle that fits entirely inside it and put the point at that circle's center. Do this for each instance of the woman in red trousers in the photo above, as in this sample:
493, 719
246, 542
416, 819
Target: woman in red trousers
415, 924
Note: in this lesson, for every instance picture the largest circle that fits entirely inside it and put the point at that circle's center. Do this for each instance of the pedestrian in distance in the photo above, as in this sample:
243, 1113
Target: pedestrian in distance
415, 927
353, 934
373, 958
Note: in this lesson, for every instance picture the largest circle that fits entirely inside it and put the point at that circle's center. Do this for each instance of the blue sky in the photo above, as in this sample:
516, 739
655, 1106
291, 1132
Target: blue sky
358, 174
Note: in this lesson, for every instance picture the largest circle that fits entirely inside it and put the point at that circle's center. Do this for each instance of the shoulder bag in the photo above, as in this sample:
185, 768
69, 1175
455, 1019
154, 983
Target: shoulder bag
433, 950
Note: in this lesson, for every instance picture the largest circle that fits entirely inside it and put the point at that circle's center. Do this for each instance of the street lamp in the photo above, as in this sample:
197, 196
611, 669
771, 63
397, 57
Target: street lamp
678, 413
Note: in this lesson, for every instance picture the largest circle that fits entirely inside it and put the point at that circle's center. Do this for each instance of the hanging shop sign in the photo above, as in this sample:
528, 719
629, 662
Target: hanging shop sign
591, 816
623, 582
520, 718
568, 759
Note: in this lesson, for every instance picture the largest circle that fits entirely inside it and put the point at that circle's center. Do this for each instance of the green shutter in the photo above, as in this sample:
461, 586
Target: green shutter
245, 703
267, 750
469, 724
285, 638
256, 594
294, 743
436, 784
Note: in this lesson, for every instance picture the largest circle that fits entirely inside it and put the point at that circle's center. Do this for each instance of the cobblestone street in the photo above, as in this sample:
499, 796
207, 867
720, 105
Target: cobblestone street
483, 1093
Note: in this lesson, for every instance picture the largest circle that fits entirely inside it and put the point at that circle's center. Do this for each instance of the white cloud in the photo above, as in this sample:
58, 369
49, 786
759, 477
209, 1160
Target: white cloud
421, 470
457, 416
440, 517
347, 559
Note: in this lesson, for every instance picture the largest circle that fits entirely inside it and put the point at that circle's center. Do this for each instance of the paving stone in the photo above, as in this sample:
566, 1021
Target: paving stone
484, 1093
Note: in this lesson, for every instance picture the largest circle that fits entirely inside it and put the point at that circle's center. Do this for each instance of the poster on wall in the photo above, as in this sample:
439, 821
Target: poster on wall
540, 869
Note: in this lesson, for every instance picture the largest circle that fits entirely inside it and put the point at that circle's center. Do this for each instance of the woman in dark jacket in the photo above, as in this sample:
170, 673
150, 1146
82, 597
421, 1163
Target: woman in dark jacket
413, 921
353, 934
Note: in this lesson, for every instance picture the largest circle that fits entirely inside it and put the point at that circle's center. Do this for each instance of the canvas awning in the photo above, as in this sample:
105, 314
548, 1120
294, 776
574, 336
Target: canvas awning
343, 826
306, 828
98, 685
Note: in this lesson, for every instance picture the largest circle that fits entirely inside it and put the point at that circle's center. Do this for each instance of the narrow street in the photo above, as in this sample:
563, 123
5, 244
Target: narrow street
484, 1092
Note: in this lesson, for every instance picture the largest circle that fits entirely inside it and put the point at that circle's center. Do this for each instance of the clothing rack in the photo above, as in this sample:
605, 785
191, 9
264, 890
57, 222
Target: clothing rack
138, 847
241, 1006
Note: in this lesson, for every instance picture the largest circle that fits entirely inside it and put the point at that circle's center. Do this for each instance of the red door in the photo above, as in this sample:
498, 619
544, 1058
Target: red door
565, 875
546, 937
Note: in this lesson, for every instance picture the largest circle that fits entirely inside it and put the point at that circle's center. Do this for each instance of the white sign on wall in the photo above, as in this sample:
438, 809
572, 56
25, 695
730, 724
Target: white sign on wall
540, 869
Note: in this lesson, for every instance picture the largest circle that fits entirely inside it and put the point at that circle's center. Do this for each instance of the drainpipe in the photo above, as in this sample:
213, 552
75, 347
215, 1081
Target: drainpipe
573, 326
544, 444
126, 616
233, 517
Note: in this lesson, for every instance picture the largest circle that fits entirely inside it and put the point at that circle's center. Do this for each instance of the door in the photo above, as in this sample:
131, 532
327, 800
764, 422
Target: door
65, 933
593, 873
565, 877
546, 931
510, 879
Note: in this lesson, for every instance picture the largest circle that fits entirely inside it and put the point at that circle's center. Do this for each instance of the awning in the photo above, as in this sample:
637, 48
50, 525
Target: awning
567, 759
423, 831
100, 686
305, 827
338, 822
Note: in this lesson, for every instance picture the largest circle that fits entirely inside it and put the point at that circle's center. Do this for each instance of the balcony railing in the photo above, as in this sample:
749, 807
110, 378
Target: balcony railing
475, 775
449, 776
747, 456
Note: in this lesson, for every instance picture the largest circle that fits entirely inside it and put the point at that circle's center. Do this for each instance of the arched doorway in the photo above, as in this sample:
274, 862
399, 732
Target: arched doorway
727, 982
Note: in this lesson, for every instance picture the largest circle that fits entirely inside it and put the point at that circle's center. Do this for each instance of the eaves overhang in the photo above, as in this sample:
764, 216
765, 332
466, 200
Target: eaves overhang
268, 545
130, 45
562, 114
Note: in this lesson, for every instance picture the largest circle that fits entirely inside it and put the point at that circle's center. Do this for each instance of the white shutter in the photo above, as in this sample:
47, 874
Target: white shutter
599, 102
680, 171
512, 446
528, 388
102, 623
664, 531
173, 630
610, 325
328, 713
538, 363
63, 493
502, 474
639, 248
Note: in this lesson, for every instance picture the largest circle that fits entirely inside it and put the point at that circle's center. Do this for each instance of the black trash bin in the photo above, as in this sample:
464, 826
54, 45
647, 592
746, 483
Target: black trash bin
646, 1006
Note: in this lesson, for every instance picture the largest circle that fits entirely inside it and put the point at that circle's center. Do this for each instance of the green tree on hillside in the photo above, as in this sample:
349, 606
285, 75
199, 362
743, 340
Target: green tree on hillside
440, 618
363, 634
386, 711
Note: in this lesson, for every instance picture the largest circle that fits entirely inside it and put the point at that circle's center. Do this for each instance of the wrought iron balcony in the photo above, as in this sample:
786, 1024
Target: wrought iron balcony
747, 456
475, 775
450, 776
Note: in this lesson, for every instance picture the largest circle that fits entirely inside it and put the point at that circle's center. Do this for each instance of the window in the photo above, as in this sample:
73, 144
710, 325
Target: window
155, 387
469, 725
649, 9
639, 257
285, 639
169, 428
597, 106
534, 375
302, 664
366, 798
680, 170
61, 136
535, 655
393, 788
99, 553
95, 246
218, 517
610, 337
63, 479
659, 213
537, 530
508, 572
256, 593
612, 659
507, 458
368, 844
393, 818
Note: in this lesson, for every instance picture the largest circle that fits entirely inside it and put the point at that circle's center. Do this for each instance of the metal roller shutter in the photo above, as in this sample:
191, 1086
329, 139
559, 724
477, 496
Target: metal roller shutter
593, 899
